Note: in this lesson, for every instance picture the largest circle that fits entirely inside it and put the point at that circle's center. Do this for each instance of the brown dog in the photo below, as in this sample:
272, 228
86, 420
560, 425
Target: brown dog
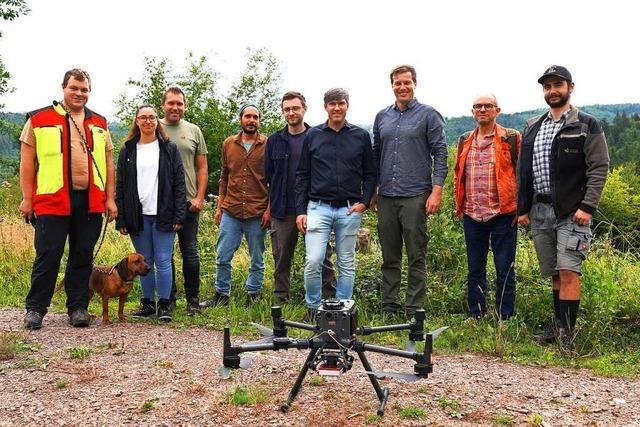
116, 281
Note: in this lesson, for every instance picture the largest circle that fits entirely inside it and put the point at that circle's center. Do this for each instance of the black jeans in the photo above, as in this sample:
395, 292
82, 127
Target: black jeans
188, 242
51, 231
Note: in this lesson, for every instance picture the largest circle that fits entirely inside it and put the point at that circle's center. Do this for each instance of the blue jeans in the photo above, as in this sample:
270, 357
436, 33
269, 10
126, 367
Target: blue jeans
321, 219
157, 248
500, 232
229, 238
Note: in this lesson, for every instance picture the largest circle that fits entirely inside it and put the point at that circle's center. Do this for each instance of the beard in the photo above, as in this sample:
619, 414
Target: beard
562, 101
294, 122
250, 131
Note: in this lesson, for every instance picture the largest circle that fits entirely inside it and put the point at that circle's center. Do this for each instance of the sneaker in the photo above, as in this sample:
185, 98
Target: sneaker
79, 318
310, 316
164, 310
549, 335
218, 299
193, 307
147, 308
33, 320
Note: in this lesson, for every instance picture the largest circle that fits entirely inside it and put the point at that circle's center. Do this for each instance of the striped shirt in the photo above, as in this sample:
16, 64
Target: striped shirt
542, 152
481, 201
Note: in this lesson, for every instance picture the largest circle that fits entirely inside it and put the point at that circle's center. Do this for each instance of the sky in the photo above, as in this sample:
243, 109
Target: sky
460, 48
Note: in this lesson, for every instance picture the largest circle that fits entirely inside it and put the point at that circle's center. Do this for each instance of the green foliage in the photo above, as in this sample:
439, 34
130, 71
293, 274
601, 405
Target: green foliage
148, 405
214, 112
504, 420
61, 384
617, 214
247, 396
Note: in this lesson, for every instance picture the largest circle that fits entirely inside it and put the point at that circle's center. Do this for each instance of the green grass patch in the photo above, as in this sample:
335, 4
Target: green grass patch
535, 420
504, 420
412, 412
372, 419
317, 380
80, 353
246, 396
148, 405
61, 384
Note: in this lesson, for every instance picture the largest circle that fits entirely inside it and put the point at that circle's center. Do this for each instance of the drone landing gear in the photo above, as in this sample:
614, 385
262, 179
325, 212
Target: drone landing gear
383, 393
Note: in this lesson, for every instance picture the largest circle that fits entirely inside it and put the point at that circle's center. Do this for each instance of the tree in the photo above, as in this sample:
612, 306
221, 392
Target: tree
213, 112
9, 10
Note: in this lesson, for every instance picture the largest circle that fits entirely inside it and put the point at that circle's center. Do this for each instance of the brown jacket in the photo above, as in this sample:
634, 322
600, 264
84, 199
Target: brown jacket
243, 187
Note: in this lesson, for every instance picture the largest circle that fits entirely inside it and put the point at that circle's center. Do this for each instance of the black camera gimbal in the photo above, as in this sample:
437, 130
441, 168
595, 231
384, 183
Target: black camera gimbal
334, 336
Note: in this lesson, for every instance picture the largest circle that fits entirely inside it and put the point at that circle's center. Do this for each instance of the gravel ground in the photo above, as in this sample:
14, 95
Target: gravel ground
145, 374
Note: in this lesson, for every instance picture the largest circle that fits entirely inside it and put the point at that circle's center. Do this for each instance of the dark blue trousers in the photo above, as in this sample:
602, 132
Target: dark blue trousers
500, 233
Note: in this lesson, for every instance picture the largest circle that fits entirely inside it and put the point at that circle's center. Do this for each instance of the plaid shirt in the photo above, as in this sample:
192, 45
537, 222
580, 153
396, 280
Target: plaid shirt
542, 152
481, 201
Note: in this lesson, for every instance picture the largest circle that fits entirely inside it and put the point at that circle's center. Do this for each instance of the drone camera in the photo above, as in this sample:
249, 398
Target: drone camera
338, 318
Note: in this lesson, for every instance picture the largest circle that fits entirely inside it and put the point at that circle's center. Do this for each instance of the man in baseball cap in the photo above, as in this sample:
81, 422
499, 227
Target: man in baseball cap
558, 71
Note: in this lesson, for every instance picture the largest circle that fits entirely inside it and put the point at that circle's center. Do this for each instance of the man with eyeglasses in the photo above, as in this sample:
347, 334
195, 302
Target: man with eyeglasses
280, 164
411, 155
335, 181
67, 180
193, 152
561, 174
242, 208
485, 199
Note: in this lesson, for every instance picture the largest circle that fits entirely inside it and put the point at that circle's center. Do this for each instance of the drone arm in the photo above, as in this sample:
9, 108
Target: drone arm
361, 346
300, 325
368, 330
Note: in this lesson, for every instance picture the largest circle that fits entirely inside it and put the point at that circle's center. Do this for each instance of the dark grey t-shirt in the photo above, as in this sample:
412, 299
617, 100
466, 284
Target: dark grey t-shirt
295, 148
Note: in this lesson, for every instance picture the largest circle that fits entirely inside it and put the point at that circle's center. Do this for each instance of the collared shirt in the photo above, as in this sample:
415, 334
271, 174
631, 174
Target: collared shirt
481, 200
408, 144
242, 183
335, 166
542, 151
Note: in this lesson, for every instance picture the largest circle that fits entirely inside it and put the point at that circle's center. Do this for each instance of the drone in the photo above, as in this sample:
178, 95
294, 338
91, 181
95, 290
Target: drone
335, 335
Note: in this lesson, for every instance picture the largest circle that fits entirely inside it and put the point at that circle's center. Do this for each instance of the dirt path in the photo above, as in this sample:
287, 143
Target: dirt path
146, 374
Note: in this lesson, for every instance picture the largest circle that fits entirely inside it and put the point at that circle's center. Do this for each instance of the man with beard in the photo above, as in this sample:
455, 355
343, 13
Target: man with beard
485, 198
280, 164
193, 152
242, 208
334, 184
561, 174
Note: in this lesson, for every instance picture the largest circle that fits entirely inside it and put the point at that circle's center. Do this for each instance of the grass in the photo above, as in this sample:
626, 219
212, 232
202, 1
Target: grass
61, 384
317, 380
12, 343
148, 405
451, 407
535, 420
246, 396
608, 326
412, 412
504, 420
80, 353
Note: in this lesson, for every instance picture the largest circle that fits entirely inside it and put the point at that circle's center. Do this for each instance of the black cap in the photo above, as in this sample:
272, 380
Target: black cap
558, 71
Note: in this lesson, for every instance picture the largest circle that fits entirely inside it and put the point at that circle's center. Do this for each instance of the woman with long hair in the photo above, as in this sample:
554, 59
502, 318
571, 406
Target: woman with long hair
150, 191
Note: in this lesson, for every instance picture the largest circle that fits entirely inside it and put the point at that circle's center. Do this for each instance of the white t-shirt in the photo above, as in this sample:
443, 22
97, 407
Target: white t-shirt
148, 159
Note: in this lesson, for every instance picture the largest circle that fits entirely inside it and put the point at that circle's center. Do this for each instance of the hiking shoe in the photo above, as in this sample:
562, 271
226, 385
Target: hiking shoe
79, 318
193, 307
164, 310
147, 308
549, 335
218, 299
310, 316
33, 320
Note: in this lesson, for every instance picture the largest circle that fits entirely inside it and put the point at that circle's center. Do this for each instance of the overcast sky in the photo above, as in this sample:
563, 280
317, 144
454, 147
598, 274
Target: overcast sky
460, 48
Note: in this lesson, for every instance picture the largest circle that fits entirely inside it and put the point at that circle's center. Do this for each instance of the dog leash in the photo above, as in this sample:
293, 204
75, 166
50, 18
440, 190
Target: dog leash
88, 150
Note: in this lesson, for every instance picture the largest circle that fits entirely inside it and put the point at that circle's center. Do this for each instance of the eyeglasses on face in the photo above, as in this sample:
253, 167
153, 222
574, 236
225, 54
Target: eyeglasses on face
147, 118
479, 107
294, 109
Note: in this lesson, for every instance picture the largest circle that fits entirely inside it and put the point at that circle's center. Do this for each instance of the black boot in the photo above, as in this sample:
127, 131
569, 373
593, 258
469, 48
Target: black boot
147, 308
164, 310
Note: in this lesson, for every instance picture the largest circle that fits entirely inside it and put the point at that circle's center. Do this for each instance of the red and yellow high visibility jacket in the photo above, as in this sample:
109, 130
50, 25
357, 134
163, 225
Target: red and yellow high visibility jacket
52, 189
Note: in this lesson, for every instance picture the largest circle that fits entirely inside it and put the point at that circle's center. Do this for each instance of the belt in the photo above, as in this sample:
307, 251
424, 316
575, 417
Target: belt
335, 203
542, 198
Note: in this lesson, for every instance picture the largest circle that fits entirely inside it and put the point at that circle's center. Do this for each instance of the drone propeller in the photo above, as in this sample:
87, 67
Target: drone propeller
245, 363
411, 345
404, 376
268, 334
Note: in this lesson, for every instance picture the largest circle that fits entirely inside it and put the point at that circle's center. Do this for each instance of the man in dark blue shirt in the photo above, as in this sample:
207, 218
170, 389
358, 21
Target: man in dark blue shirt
335, 181
411, 155
280, 165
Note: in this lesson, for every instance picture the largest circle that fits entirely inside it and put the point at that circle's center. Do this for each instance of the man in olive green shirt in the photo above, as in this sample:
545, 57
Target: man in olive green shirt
193, 152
